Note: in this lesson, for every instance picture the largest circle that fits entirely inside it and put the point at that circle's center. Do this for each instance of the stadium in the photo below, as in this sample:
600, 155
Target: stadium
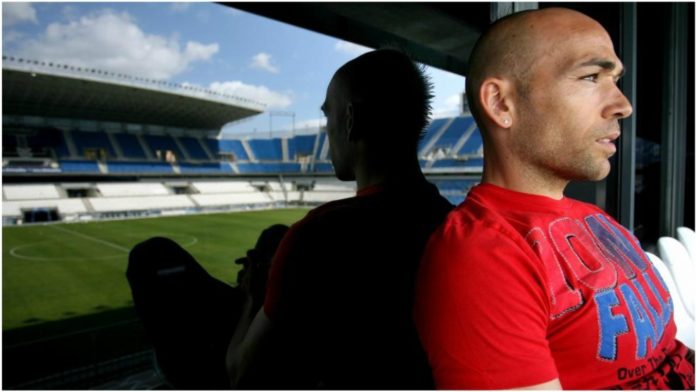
96, 161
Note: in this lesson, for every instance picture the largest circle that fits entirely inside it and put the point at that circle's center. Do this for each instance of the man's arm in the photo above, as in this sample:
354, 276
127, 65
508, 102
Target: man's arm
248, 346
553, 385
482, 312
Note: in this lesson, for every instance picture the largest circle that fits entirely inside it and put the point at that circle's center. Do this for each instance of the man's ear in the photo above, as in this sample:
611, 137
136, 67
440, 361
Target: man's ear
496, 101
351, 132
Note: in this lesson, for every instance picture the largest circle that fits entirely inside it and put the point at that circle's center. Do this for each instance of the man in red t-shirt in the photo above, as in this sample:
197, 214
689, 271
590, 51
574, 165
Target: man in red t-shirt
521, 286
339, 305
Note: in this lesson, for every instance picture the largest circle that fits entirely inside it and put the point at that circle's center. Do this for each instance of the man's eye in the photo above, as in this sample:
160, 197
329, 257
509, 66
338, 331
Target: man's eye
591, 78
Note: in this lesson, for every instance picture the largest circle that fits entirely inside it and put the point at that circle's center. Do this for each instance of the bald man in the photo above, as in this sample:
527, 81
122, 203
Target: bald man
522, 286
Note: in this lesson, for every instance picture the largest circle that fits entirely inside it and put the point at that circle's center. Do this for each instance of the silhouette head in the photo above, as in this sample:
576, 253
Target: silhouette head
380, 99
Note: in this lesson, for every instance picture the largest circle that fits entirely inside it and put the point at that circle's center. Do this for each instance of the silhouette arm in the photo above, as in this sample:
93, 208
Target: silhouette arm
248, 346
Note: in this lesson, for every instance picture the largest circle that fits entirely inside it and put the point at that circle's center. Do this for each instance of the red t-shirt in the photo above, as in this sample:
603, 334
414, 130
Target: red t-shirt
341, 287
516, 290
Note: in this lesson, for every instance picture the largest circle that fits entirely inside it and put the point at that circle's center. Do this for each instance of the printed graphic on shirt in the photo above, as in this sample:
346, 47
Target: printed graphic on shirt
597, 258
674, 371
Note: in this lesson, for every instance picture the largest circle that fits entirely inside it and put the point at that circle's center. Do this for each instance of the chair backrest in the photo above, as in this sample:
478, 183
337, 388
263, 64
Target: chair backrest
685, 324
688, 238
677, 259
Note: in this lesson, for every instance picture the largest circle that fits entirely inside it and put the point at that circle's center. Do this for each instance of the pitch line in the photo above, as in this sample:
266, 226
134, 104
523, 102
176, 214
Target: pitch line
85, 236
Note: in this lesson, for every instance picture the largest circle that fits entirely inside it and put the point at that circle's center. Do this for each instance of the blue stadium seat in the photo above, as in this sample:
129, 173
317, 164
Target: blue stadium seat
304, 144
139, 167
267, 149
473, 144
431, 130
92, 140
322, 139
130, 146
219, 167
279, 167
291, 149
163, 143
75, 166
228, 146
454, 132
193, 147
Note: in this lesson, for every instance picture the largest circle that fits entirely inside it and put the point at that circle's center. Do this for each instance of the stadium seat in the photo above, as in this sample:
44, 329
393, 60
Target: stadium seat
685, 323
677, 259
453, 133
688, 238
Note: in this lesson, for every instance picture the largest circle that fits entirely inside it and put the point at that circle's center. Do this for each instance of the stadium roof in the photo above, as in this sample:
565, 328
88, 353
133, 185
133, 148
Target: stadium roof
35, 88
438, 33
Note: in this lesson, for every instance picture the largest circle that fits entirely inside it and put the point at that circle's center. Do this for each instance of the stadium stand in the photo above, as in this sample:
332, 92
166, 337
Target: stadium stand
228, 147
223, 187
29, 192
267, 149
164, 143
473, 144
85, 141
75, 166
268, 168
132, 189
130, 146
194, 148
65, 207
138, 167
202, 168
431, 132
124, 204
454, 131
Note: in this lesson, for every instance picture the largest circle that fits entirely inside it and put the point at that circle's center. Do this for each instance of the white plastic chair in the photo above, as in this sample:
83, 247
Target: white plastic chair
688, 238
677, 259
685, 324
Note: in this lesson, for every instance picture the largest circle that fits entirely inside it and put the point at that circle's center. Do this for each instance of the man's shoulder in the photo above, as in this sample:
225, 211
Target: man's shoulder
472, 221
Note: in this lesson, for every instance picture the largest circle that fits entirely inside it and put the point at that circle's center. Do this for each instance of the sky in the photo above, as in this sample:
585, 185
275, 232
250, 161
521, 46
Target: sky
201, 44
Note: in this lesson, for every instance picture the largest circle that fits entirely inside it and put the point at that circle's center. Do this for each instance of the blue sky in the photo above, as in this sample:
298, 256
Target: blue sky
202, 44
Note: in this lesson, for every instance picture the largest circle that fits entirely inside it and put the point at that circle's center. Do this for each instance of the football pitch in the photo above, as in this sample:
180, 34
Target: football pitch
56, 271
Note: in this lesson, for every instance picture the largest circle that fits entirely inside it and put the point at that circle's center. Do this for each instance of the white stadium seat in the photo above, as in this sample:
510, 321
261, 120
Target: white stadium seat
116, 204
30, 192
64, 206
685, 324
223, 187
132, 189
222, 199
688, 238
677, 259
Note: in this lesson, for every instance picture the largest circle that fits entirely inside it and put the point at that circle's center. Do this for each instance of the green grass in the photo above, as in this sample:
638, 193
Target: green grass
58, 271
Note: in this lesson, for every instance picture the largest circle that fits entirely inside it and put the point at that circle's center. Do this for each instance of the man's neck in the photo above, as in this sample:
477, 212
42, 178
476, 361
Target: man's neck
370, 175
519, 178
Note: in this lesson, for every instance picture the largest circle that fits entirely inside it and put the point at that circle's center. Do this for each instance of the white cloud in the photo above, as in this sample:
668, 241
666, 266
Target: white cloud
350, 48
112, 41
180, 7
272, 99
16, 13
263, 61
450, 106
311, 124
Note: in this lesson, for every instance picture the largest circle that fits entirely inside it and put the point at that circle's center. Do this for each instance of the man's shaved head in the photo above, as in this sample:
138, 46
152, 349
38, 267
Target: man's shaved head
512, 45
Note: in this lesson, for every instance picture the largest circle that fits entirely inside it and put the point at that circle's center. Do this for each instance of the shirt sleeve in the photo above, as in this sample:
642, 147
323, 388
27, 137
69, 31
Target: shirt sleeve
279, 286
482, 310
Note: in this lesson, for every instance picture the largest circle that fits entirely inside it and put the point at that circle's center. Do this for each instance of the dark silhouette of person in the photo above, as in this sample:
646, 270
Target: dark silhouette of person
338, 309
188, 315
